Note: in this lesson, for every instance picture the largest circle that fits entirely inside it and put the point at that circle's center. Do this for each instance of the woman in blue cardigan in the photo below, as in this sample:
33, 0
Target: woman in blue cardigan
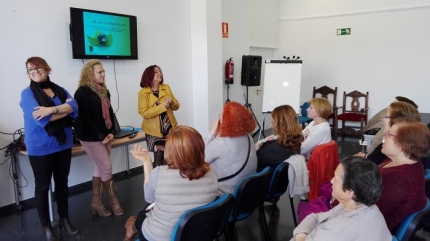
49, 111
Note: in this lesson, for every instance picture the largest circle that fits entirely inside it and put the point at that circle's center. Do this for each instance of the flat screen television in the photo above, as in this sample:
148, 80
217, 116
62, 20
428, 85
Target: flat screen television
102, 35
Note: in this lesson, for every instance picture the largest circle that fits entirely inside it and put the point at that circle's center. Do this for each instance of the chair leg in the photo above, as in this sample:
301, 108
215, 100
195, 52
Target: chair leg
263, 223
293, 211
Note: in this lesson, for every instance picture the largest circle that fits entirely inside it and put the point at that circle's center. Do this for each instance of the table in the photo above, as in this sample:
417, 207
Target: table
79, 151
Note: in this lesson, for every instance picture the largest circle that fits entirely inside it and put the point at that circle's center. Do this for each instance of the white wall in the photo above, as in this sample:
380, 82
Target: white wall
34, 29
386, 53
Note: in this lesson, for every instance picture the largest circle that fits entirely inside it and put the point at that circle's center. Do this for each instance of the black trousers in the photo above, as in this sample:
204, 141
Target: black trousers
58, 165
140, 217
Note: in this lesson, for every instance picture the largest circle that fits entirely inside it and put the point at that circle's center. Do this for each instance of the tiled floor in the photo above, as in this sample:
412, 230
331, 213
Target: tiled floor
24, 226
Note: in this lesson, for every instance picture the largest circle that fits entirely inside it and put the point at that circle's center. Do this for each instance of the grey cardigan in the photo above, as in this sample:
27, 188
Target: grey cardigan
363, 224
226, 156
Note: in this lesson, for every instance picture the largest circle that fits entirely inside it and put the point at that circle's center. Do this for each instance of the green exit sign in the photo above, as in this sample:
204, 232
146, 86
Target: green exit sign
343, 31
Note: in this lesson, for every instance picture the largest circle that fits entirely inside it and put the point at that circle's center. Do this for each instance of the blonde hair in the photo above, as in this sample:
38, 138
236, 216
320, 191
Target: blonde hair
322, 106
87, 72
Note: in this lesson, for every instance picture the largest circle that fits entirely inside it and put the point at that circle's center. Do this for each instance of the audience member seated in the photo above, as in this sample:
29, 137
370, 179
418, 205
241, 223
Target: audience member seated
285, 142
395, 110
357, 186
375, 126
186, 182
230, 150
318, 131
405, 143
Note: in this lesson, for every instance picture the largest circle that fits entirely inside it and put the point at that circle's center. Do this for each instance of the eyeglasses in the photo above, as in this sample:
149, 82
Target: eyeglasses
389, 134
33, 70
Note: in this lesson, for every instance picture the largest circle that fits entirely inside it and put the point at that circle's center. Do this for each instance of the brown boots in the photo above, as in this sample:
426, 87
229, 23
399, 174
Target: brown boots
130, 229
97, 204
109, 187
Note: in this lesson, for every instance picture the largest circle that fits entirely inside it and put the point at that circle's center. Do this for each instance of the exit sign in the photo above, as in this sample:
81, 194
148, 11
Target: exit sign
343, 31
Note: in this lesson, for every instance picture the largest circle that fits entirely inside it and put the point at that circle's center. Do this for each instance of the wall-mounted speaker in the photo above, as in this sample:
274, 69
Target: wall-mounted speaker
251, 70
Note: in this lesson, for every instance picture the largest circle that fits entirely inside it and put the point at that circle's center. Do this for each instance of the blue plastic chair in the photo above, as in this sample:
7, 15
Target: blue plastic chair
249, 195
303, 117
277, 187
411, 224
204, 223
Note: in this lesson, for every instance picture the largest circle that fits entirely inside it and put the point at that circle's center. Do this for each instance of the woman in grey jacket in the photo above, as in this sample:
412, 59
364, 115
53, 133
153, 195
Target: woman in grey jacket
357, 184
186, 182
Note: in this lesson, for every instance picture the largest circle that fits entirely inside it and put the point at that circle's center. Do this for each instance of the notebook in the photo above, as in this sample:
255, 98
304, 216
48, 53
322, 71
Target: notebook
121, 133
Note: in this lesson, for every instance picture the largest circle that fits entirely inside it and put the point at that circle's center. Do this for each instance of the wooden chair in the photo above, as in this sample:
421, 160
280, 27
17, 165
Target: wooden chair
324, 92
353, 113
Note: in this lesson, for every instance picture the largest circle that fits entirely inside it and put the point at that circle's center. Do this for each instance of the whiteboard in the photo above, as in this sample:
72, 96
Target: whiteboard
282, 80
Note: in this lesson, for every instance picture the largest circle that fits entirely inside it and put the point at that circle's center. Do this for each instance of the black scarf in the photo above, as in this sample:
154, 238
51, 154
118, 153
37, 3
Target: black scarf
55, 128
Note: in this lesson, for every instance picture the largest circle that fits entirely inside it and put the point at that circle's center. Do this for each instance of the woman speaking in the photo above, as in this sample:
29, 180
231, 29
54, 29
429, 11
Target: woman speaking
156, 104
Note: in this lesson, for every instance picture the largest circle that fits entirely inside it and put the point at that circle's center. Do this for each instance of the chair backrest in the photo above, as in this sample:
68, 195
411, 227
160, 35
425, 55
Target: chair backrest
321, 165
303, 109
249, 193
355, 97
205, 222
279, 181
411, 224
325, 91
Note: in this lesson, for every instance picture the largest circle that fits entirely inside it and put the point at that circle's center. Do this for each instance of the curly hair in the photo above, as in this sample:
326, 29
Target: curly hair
38, 62
287, 127
322, 106
148, 76
185, 150
237, 120
87, 72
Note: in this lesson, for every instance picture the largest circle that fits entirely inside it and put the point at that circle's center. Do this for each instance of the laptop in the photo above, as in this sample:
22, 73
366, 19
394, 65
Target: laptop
121, 133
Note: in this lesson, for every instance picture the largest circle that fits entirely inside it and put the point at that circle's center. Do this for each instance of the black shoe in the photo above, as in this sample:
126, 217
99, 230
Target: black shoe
49, 234
70, 230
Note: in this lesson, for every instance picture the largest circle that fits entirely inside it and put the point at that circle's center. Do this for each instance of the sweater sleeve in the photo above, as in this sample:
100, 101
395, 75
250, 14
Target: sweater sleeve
317, 135
149, 188
213, 148
395, 196
73, 104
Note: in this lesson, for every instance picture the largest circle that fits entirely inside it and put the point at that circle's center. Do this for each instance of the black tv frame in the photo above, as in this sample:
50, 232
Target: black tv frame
77, 35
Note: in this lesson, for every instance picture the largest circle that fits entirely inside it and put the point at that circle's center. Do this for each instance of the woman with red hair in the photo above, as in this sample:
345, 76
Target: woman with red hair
186, 182
230, 150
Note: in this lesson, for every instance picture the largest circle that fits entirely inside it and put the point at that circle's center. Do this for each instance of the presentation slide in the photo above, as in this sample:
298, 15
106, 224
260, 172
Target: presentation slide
106, 34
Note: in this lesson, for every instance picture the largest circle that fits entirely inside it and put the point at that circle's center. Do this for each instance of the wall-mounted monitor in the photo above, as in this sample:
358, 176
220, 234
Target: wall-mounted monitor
102, 35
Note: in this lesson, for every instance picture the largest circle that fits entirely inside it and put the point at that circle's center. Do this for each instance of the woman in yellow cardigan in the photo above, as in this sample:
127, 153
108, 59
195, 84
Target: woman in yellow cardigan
156, 104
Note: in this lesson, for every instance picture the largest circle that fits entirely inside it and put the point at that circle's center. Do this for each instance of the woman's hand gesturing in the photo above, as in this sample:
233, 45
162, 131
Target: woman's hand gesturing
141, 153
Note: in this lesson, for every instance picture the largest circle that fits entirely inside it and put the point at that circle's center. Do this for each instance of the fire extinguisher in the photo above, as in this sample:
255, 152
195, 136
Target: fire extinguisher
229, 71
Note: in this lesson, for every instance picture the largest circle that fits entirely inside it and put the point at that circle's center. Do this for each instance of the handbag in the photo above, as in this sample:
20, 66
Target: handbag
240, 170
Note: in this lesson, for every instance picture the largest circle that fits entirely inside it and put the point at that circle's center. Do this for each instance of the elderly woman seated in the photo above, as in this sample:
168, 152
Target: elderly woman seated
357, 185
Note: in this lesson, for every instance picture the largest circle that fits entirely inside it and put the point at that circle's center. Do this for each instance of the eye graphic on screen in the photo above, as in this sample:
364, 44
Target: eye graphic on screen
100, 39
